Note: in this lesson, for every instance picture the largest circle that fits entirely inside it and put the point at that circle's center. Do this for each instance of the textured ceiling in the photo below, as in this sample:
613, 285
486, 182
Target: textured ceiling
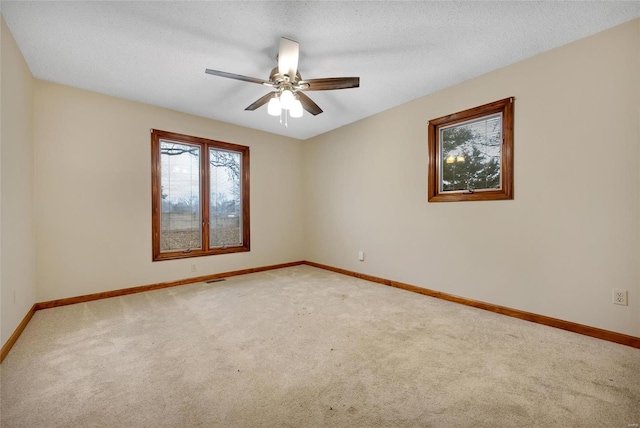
156, 52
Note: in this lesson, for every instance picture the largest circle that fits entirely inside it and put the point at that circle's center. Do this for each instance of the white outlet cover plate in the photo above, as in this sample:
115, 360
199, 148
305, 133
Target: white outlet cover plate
620, 297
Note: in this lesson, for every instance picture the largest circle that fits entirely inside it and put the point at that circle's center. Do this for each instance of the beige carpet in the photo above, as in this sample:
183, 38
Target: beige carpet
303, 347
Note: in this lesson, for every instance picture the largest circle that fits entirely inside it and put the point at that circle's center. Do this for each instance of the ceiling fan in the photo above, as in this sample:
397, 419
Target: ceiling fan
287, 96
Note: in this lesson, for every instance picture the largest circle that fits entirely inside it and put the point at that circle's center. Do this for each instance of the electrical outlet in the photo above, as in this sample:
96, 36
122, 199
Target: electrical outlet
361, 256
14, 297
620, 297
194, 268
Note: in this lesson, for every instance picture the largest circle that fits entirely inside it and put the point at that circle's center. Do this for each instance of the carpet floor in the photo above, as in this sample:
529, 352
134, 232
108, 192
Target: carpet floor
304, 347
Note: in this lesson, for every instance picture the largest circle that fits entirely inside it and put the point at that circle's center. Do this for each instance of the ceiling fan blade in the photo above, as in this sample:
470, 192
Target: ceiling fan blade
237, 77
330, 83
288, 58
260, 101
308, 104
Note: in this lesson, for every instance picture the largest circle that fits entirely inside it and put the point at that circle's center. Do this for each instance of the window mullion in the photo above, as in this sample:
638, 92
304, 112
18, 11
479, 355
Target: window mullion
204, 180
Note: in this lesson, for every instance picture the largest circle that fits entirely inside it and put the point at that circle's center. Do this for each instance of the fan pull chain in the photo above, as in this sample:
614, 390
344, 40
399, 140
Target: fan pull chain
284, 113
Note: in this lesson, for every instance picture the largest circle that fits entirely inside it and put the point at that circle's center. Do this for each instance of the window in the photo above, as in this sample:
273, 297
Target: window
200, 195
471, 154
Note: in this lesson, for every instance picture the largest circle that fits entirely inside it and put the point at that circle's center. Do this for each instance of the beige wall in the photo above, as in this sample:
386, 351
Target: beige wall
571, 234
17, 239
93, 189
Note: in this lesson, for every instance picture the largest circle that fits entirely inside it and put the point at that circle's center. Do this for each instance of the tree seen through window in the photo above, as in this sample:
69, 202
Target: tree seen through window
471, 155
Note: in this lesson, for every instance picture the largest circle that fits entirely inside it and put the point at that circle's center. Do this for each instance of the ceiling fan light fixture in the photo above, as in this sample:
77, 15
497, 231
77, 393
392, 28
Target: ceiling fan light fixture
286, 99
273, 108
296, 109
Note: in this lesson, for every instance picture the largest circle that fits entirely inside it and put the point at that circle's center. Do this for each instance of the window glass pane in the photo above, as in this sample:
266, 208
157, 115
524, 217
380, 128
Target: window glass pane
225, 216
180, 221
470, 155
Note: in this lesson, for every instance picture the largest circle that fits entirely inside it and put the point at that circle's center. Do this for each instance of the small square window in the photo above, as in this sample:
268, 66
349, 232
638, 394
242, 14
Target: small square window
471, 154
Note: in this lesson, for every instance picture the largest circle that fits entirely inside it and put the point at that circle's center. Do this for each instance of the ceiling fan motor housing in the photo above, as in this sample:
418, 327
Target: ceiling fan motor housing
278, 79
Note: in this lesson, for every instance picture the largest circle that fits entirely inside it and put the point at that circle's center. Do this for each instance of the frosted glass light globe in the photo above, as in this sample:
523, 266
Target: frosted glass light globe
296, 109
286, 99
273, 108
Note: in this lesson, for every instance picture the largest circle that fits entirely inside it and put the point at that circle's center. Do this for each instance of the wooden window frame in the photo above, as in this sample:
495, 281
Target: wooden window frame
505, 107
156, 197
